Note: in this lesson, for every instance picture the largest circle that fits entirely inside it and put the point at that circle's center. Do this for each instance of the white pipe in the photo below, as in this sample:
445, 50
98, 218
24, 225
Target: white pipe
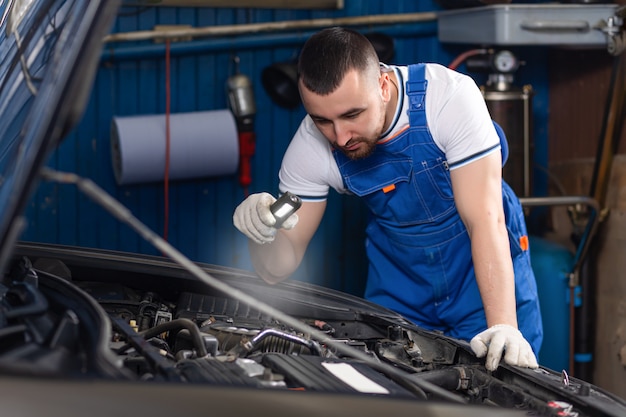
270, 26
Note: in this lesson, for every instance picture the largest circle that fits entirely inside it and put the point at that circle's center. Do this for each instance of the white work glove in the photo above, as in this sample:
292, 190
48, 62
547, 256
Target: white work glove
502, 337
254, 219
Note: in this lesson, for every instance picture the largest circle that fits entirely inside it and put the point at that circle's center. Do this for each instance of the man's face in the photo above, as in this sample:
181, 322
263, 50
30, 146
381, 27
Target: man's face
352, 117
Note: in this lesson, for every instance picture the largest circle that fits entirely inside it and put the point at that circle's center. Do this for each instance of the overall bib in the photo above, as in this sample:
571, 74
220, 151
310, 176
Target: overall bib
419, 252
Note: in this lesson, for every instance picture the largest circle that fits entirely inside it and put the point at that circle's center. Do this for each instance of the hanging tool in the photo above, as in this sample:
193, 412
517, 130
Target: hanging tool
241, 103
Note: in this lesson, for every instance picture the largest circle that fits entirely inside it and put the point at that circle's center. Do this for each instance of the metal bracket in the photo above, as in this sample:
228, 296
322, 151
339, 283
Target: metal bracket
592, 220
613, 28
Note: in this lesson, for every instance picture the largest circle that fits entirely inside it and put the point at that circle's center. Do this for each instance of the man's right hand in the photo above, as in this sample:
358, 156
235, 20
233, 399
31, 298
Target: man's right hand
254, 219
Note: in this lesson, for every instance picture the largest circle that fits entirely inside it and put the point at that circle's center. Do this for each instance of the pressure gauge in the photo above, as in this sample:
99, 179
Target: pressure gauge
505, 62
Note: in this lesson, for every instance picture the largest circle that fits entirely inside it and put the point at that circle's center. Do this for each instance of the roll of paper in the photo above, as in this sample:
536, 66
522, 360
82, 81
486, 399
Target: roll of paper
202, 144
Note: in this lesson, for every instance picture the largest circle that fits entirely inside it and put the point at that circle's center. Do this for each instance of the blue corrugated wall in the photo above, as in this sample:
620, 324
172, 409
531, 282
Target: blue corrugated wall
131, 81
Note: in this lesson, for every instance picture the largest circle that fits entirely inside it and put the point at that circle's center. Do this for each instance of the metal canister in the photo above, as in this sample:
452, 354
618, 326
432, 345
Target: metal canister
511, 108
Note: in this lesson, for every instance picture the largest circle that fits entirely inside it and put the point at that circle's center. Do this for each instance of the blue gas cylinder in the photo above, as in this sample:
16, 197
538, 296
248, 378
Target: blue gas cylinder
552, 264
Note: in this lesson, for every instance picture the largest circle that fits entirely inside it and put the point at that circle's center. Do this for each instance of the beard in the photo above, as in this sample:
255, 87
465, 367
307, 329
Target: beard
366, 148
367, 143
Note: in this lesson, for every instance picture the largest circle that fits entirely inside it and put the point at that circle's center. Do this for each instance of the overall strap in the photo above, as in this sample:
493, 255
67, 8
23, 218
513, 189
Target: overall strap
416, 90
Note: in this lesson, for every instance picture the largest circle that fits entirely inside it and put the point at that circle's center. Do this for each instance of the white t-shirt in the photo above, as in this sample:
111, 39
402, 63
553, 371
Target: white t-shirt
457, 117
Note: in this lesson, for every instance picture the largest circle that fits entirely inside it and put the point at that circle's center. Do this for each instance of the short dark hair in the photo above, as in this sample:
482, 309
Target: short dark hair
329, 54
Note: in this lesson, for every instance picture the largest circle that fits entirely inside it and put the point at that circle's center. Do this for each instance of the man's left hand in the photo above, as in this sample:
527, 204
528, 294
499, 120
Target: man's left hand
503, 338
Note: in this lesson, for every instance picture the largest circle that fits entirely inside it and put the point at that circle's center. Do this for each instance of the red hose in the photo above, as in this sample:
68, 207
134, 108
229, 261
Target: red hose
459, 59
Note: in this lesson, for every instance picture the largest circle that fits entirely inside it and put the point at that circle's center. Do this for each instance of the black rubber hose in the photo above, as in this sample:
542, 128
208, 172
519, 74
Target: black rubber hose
451, 379
177, 324
253, 344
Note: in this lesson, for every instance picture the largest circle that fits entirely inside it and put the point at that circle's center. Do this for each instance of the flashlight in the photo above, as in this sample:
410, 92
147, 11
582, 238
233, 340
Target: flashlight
284, 207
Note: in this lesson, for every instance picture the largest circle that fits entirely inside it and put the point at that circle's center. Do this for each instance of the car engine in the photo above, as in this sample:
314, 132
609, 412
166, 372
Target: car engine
136, 326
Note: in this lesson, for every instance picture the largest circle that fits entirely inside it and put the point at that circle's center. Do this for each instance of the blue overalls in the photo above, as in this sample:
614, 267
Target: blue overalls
417, 245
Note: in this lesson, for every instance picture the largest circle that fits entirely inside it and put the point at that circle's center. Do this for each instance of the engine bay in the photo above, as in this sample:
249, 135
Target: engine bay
122, 324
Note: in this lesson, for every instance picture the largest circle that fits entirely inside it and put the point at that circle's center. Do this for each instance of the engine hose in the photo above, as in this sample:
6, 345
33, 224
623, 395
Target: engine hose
178, 324
451, 379
258, 340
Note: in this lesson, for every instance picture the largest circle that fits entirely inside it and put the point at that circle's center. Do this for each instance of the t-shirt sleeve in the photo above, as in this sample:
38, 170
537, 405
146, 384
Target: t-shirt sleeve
459, 118
308, 167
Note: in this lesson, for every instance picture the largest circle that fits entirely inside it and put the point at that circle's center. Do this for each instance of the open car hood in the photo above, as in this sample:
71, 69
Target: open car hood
50, 50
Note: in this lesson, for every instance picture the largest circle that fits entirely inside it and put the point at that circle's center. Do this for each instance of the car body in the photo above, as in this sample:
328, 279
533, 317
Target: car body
95, 332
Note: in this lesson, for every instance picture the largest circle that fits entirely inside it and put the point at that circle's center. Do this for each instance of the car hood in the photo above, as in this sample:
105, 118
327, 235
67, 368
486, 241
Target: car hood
50, 50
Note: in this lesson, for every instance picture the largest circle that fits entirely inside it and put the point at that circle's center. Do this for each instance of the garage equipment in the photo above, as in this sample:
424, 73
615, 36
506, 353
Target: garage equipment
511, 107
242, 104
533, 24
